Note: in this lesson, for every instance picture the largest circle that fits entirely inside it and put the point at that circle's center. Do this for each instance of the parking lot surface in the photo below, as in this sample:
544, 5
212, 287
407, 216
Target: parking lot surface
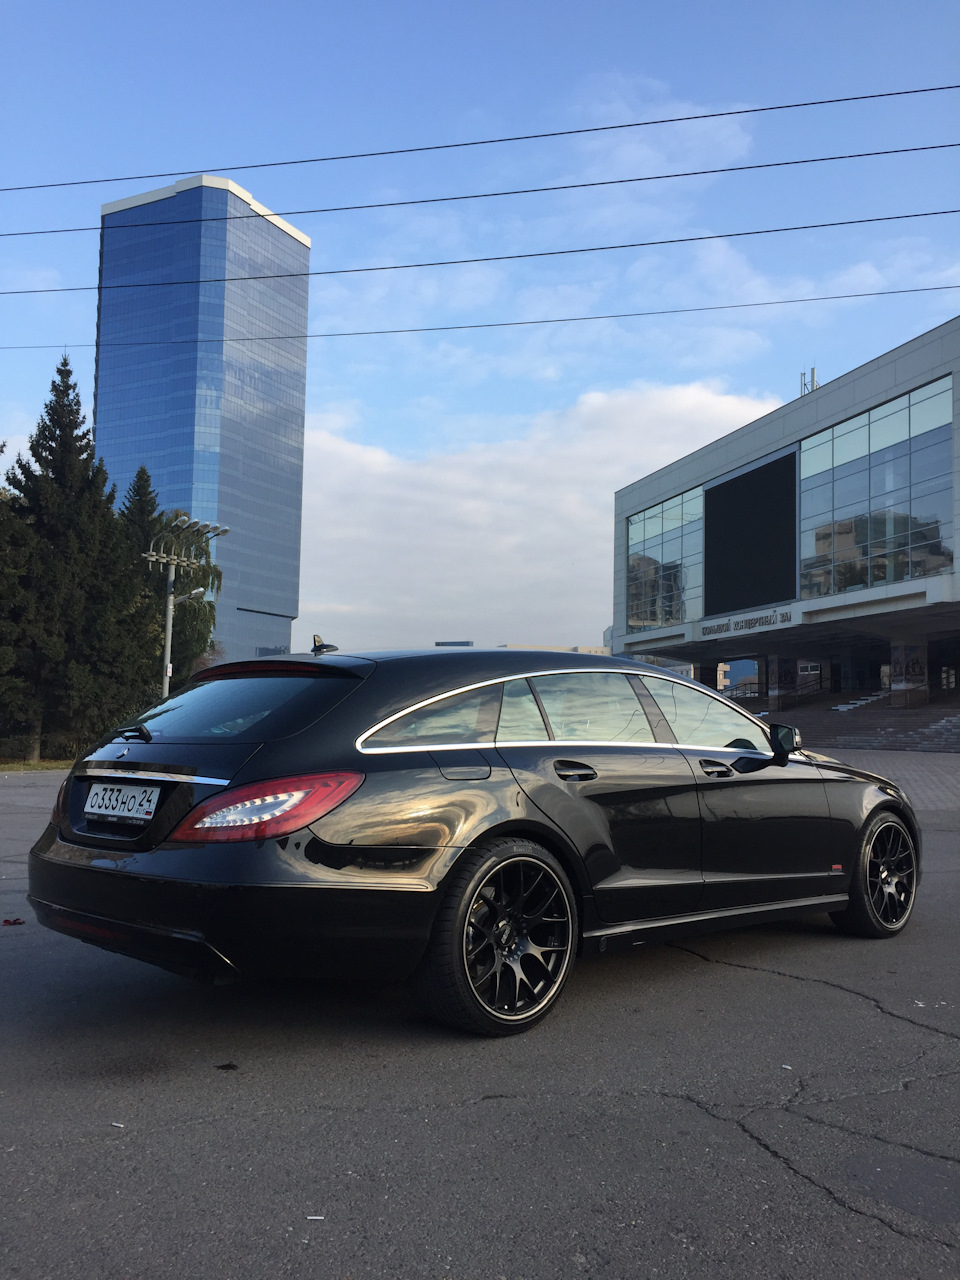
774, 1102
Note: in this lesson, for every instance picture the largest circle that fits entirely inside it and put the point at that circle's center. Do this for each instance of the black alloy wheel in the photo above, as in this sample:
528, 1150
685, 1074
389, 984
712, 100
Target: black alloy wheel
884, 883
503, 942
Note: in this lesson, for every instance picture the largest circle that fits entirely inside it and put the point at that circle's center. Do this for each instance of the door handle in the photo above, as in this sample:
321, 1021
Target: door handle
572, 771
716, 769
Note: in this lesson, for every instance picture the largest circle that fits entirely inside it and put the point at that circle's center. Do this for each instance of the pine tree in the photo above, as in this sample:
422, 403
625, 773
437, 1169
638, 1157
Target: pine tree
77, 595
141, 520
12, 687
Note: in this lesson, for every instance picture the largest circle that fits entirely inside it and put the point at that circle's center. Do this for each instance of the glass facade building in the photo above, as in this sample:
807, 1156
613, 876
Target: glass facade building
201, 374
876, 495
812, 547
875, 506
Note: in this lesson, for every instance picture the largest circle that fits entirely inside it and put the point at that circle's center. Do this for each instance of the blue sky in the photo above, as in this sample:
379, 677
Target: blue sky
461, 484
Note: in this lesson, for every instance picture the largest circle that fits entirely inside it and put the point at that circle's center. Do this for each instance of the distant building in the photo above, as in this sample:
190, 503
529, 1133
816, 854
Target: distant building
201, 373
453, 644
599, 649
817, 541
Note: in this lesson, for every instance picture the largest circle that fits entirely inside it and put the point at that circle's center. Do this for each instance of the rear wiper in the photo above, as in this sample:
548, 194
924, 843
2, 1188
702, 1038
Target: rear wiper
136, 731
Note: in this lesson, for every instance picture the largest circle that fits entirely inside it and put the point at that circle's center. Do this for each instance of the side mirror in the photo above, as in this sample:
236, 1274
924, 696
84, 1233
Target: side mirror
784, 739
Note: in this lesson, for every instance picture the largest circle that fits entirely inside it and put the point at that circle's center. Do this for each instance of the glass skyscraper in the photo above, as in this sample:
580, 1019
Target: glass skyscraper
201, 374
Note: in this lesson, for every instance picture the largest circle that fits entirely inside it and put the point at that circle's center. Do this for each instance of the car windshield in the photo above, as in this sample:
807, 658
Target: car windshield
243, 708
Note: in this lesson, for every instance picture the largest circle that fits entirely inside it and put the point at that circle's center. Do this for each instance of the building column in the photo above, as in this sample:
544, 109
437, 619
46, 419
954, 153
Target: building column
763, 682
781, 681
706, 673
842, 665
909, 684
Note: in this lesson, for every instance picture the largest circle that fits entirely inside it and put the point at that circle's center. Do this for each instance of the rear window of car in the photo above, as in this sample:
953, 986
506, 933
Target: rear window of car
244, 708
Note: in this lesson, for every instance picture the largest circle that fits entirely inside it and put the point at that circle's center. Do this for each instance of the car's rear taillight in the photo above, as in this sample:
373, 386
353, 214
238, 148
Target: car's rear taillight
264, 810
59, 807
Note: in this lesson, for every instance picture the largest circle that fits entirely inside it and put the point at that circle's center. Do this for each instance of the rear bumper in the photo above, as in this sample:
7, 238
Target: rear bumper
222, 931
188, 954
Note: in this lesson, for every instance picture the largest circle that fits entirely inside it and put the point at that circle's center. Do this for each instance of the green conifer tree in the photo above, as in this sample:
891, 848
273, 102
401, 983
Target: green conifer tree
77, 593
141, 520
12, 687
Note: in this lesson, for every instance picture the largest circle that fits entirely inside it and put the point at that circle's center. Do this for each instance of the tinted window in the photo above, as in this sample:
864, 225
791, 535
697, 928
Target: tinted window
244, 708
699, 720
593, 706
520, 718
461, 718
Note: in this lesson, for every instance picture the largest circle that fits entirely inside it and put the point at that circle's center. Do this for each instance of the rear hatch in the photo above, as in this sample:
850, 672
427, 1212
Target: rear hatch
134, 787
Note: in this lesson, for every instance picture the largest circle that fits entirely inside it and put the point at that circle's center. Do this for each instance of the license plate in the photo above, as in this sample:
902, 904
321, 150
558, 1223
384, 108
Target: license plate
120, 802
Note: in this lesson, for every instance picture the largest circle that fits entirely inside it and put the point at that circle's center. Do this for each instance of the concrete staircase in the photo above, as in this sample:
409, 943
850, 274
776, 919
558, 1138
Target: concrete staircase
868, 722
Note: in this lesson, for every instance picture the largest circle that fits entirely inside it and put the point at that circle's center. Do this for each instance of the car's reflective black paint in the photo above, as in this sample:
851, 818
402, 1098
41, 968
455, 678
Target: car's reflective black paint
653, 836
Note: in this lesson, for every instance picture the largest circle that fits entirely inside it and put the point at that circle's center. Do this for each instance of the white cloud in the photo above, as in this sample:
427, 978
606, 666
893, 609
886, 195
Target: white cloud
496, 543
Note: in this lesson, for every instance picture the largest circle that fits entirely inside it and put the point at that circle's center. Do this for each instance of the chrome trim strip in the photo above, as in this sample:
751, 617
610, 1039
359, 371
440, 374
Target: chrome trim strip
468, 688
530, 675
531, 742
150, 775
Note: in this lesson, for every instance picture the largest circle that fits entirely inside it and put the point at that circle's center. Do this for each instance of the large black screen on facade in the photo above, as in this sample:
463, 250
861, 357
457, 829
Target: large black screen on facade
750, 538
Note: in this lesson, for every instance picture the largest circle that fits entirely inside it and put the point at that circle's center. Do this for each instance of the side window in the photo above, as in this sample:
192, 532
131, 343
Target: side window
461, 718
701, 721
662, 731
592, 706
520, 718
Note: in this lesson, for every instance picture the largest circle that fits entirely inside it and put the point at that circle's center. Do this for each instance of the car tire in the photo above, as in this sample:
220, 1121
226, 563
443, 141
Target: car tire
503, 942
884, 882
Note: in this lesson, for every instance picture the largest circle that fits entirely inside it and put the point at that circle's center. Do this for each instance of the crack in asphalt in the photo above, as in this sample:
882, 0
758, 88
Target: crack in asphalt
873, 1137
834, 1196
713, 1110
823, 982
793, 1105
901, 1086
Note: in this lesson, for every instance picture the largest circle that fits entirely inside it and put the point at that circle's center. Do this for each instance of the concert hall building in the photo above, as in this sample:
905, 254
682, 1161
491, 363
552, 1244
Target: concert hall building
817, 539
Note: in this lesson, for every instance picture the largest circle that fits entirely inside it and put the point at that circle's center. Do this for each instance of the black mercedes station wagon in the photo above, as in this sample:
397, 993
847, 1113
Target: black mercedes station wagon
476, 819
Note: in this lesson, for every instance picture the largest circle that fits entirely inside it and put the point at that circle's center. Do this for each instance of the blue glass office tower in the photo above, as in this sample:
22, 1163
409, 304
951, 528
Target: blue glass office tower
201, 378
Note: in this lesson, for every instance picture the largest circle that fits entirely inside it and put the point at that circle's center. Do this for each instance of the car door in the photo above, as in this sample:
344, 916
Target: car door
767, 833
581, 747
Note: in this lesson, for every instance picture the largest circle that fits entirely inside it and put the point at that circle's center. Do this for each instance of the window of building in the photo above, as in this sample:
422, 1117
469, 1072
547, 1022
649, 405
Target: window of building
665, 563
876, 495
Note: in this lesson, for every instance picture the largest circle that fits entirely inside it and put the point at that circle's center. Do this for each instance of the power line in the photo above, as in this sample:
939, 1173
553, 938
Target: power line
489, 195
483, 142
503, 257
495, 324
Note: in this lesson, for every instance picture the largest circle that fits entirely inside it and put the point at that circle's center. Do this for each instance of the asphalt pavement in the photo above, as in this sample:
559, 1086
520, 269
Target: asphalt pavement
776, 1102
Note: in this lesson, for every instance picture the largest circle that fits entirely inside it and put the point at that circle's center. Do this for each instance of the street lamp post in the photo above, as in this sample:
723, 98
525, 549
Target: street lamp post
172, 553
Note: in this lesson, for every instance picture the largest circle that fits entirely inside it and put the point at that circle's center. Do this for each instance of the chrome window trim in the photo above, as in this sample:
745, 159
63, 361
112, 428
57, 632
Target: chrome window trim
483, 684
150, 775
524, 742
578, 742
427, 745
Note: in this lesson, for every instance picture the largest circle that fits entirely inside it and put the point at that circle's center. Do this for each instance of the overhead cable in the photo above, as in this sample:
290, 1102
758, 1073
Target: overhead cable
483, 142
485, 195
502, 257
493, 324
